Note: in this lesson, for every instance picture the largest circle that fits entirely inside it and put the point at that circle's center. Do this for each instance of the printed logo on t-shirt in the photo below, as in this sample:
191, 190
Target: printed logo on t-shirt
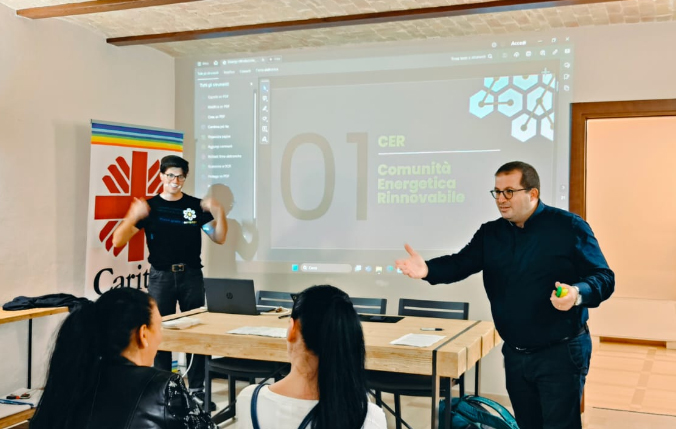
190, 215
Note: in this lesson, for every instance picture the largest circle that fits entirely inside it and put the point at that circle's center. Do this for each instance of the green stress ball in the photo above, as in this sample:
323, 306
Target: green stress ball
561, 292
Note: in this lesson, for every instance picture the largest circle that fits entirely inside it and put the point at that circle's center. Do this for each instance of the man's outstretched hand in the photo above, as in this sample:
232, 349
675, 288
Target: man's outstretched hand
414, 266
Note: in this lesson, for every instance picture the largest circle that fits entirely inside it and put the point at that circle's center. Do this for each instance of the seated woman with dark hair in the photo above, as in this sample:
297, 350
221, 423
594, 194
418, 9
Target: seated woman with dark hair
326, 388
101, 376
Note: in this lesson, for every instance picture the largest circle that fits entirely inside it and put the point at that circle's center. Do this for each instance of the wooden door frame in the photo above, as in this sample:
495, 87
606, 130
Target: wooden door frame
580, 113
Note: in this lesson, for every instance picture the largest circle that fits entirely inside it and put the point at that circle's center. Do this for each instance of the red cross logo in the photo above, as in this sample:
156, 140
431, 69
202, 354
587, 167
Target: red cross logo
125, 184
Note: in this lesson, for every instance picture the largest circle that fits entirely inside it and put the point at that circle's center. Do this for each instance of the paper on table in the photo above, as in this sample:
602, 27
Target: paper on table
262, 331
8, 410
180, 323
33, 399
417, 340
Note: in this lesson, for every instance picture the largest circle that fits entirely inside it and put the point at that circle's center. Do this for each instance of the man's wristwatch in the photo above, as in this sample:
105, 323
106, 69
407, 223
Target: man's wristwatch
578, 300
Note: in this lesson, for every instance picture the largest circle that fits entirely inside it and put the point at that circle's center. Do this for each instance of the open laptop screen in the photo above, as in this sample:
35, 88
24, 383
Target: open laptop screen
234, 296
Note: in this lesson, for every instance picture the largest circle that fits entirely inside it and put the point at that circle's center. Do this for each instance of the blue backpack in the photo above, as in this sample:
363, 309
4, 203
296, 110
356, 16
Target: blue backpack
471, 412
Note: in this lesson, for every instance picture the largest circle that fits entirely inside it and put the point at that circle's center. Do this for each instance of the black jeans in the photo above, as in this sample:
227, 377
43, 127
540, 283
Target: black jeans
186, 287
545, 387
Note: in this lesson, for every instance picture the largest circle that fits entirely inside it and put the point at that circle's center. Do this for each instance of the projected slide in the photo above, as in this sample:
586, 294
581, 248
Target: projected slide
338, 162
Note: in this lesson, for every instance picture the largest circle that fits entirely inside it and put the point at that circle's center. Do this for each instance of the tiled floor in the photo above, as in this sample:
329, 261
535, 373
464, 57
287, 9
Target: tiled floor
629, 387
633, 378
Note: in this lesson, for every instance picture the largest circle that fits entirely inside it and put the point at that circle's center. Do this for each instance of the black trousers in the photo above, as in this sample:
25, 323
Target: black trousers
545, 387
186, 288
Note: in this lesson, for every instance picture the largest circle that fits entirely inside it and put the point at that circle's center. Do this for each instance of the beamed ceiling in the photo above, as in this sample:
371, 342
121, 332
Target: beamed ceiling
184, 28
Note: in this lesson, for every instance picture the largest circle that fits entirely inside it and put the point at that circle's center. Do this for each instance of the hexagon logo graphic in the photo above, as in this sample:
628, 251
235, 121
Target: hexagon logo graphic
528, 99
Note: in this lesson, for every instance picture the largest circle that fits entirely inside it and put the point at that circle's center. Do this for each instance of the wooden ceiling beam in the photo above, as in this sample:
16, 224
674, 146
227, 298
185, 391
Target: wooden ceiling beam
346, 20
97, 6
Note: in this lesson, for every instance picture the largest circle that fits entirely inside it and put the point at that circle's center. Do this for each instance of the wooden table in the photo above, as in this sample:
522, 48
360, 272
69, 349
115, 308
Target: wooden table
16, 418
16, 316
465, 343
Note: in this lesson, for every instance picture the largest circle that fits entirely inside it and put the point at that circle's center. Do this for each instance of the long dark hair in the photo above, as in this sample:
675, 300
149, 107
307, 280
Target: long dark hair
332, 331
94, 333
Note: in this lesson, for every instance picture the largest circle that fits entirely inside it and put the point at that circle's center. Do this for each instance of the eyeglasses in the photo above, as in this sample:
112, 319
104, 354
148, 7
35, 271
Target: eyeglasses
294, 298
171, 177
508, 193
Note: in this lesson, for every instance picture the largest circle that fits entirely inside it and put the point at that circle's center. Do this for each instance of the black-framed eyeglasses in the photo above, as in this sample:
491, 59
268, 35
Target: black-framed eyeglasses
171, 177
294, 298
508, 193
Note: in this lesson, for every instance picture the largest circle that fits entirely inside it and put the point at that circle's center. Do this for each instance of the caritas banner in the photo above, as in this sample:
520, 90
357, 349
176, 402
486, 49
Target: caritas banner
125, 164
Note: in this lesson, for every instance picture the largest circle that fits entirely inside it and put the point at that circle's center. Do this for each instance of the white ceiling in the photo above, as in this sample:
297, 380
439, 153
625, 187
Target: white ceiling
226, 13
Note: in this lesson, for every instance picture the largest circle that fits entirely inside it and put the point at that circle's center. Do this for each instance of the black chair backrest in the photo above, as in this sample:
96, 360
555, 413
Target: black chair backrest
369, 305
275, 299
440, 309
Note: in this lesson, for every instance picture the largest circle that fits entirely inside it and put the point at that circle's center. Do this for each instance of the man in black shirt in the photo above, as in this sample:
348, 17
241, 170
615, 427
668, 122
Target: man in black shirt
172, 221
525, 255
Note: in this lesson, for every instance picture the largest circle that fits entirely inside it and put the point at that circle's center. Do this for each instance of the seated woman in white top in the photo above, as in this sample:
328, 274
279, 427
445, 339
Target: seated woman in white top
326, 388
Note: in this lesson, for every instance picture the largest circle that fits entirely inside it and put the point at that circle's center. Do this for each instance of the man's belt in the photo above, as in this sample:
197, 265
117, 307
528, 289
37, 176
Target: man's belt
177, 268
529, 350
174, 268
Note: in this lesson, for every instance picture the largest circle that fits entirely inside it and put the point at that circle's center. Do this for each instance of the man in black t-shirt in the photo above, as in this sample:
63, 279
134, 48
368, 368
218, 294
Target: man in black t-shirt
172, 221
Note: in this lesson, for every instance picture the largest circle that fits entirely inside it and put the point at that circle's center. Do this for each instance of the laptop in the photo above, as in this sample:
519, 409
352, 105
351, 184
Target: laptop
234, 296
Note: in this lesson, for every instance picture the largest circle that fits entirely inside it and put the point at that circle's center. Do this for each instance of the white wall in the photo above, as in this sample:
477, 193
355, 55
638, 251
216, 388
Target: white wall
54, 78
625, 62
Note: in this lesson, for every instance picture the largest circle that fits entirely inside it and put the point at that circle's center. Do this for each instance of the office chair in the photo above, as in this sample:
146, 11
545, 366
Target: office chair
369, 305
